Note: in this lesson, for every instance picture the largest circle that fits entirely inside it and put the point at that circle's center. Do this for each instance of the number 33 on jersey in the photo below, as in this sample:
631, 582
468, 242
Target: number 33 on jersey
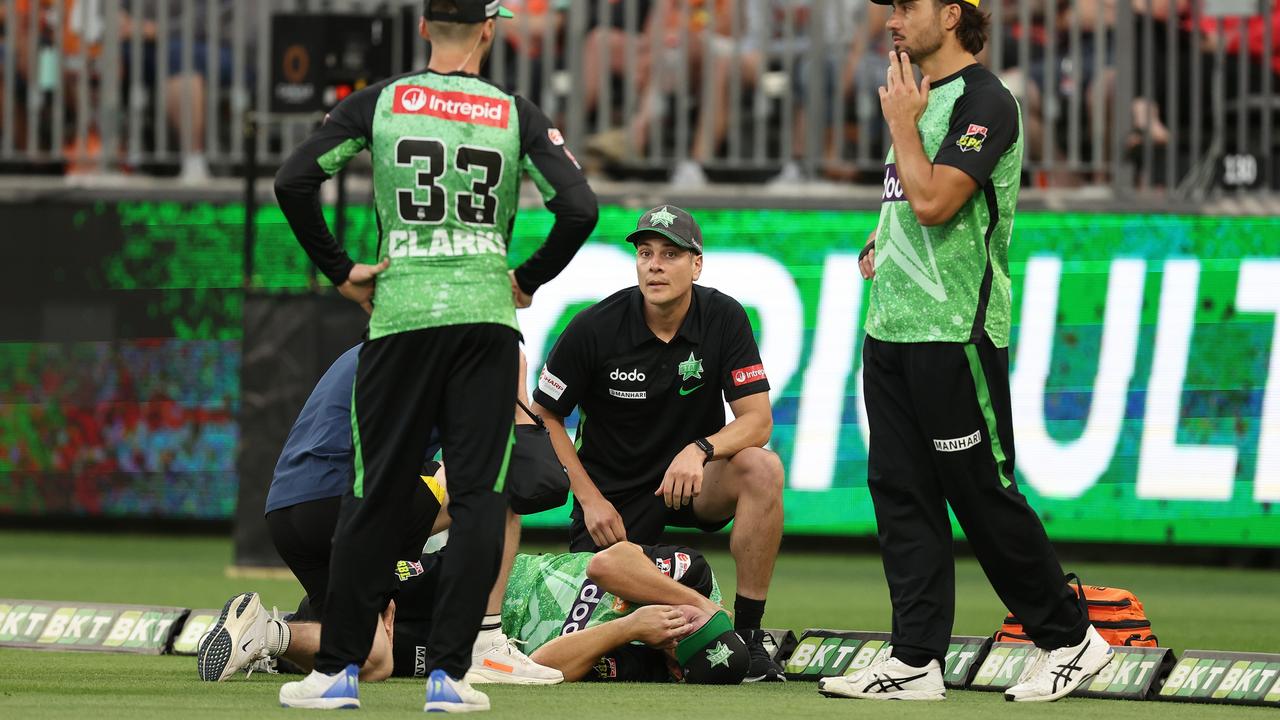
448, 154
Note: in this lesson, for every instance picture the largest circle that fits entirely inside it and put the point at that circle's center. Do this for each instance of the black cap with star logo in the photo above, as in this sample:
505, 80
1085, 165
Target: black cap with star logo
714, 654
671, 223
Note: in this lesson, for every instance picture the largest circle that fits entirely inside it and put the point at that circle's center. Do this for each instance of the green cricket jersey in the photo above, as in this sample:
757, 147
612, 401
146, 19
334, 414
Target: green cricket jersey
950, 283
448, 153
550, 595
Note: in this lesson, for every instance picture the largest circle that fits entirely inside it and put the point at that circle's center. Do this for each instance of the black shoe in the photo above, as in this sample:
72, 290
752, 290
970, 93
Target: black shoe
763, 668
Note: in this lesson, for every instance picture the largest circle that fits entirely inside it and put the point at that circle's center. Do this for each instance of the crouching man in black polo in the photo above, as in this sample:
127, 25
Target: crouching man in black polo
648, 367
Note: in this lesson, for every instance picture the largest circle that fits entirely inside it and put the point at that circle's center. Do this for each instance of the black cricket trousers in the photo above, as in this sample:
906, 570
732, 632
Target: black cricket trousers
462, 380
942, 433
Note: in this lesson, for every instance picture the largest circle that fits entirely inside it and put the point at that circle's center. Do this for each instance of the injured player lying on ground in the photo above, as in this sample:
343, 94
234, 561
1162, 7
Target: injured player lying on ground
629, 613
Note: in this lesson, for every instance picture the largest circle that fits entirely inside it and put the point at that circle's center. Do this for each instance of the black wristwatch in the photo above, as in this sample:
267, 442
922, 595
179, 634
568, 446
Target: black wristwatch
705, 446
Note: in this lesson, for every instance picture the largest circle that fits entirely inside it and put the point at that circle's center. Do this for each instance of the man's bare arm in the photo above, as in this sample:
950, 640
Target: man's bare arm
627, 572
752, 426
576, 653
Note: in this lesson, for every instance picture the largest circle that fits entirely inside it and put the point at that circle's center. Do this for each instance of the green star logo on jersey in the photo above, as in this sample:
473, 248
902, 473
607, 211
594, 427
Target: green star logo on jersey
661, 217
719, 655
691, 368
901, 251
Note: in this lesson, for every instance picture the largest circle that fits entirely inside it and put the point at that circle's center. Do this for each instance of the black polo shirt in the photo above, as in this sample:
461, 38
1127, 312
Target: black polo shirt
642, 400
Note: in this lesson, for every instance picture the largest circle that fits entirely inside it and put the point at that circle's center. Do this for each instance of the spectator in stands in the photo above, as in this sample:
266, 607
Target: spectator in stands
185, 88
681, 32
607, 38
525, 35
857, 77
77, 31
1243, 34
1040, 105
19, 56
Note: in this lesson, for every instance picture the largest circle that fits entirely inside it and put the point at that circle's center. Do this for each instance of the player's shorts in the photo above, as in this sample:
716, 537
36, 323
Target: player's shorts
682, 564
645, 516
303, 535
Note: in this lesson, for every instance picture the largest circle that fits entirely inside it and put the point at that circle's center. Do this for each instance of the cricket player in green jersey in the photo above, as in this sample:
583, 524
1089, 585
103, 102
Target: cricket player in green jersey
936, 367
448, 151
630, 613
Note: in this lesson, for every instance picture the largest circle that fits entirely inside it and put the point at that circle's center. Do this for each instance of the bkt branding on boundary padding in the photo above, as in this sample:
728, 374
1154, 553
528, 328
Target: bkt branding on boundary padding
1224, 677
1132, 674
42, 624
828, 653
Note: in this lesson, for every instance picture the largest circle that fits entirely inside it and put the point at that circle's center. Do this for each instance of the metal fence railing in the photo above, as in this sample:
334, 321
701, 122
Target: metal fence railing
1172, 96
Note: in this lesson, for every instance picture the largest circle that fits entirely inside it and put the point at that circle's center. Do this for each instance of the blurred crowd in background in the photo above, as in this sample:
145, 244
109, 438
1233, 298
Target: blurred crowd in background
690, 91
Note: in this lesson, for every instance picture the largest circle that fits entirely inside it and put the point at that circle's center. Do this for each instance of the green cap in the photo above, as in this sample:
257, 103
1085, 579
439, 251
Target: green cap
714, 654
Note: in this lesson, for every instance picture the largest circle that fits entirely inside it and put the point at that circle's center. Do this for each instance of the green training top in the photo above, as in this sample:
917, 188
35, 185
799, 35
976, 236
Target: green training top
550, 595
448, 152
950, 283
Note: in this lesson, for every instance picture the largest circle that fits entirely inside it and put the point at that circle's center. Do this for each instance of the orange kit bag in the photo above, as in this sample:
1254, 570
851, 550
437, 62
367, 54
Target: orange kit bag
1116, 613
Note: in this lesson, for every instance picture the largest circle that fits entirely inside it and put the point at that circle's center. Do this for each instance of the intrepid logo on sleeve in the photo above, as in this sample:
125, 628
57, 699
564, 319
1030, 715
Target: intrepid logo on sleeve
683, 562
456, 106
958, 444
550, 384
749, 374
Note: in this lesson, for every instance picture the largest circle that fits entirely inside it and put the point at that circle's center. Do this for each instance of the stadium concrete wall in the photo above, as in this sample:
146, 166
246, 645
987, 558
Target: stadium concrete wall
1146, 374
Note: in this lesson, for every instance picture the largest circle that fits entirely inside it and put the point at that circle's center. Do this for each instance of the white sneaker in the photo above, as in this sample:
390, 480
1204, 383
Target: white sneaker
889, 679
688, 174
195, 170
236, 640
498, 660
318, 691
791, 174
1057, 672
444, 694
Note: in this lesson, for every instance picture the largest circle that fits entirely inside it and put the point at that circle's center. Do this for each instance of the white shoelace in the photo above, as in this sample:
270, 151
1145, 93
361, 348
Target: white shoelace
511, 650
266, 664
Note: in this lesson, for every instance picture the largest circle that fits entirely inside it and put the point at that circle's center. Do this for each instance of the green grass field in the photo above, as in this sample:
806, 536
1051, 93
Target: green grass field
1204, 608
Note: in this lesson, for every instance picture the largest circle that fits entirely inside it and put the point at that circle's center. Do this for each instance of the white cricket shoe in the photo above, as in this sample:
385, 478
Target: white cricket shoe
1055, 673
889, 679
318, 691
498, 660
236, 640
444, 694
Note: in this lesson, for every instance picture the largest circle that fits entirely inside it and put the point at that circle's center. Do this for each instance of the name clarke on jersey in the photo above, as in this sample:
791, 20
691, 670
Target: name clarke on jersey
406, 243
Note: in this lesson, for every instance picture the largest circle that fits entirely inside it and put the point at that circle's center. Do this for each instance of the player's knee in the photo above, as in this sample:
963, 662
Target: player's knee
607, 561
761, 470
